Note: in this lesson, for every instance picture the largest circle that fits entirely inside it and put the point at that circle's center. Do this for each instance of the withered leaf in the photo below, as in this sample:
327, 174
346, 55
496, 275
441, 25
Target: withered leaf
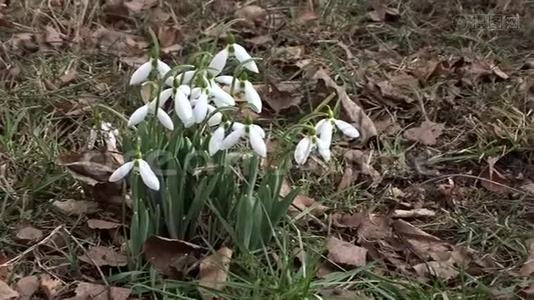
348, 220
426, 134
53, 37
382, 13
413, 213
346, 254
304, 203
214, 271
69, 76
440, 269
282, 95
423, 244
86, 290
362, 165
76, 207
27, 286
374, 227
171, 257
102, 224
29, 234
6, 293
528, 267
49, 285
251, 15
104, 256
91, 167
354, 112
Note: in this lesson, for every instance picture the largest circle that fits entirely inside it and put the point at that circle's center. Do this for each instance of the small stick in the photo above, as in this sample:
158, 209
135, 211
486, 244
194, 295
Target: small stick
43, 241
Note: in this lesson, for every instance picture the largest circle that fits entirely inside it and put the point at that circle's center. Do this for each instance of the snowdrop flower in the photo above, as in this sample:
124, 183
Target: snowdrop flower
216, 118
307, 145
325, 128
141, 74
251, 95
200, 109
182, 106
181, 79
147, 175
216, 140
220, 97
255, 134
140, 114
219, 60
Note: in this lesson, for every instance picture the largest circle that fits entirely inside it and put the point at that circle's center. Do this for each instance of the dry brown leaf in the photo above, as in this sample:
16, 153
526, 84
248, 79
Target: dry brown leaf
27, 286
169, 36
104, 256
6, 293
50, 286
281, 95
349, 177
528, 267
5, 271
353, 111
102, 224
440, 269
288, 53
76, 207
303, 203
496, 181
29, 234
171, 257
346, 254
423, 244
348, 220
374, 227
382, 13
306, 16
214, 271
413, 213
426, 134
68, 77
91, 167
481, 70
86, 290
260, 40
251, 15
398, 87
361, 164
53, 37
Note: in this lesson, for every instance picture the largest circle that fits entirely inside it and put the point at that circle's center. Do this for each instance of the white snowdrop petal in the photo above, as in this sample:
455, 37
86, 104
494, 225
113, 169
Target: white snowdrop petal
216, 118
252, 97
218, 93
182, 106
216, 140
232, 139
163, 68
238, 126
185, 89
195, 93
320, 124
121, 172
303, 149
257, 143
218, 62
242, 55
147, 175
325, 132
258, 129
164, 119
164, 96
141, 74
201, 108
324, 149
138, 115
347, 129
225, 79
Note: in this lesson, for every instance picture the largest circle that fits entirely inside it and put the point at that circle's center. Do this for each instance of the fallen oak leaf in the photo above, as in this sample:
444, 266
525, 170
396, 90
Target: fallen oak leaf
29, 234
251, 15
440, 269
171, 257
76, 207
86, 290
214, 272
427, 133
7, 293
102, 224
27, 287
104, 256
346, 254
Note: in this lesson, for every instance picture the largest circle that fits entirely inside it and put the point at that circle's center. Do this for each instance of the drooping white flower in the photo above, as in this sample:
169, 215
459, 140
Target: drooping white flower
215, 143
183, 78
325, 128
255, 135
307, 145
147, 175
251, 95
141, 74
239, 52
140, 114
216, 118
200, 109
220, 97
182, 106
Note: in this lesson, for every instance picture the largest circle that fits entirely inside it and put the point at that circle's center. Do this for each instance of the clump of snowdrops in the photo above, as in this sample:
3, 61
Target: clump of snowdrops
196, 165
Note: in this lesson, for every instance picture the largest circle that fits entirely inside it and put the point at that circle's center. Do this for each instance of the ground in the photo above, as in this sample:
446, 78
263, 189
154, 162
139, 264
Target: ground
434, 201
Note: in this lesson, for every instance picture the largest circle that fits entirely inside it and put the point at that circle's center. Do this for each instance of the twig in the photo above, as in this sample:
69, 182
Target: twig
43, 241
